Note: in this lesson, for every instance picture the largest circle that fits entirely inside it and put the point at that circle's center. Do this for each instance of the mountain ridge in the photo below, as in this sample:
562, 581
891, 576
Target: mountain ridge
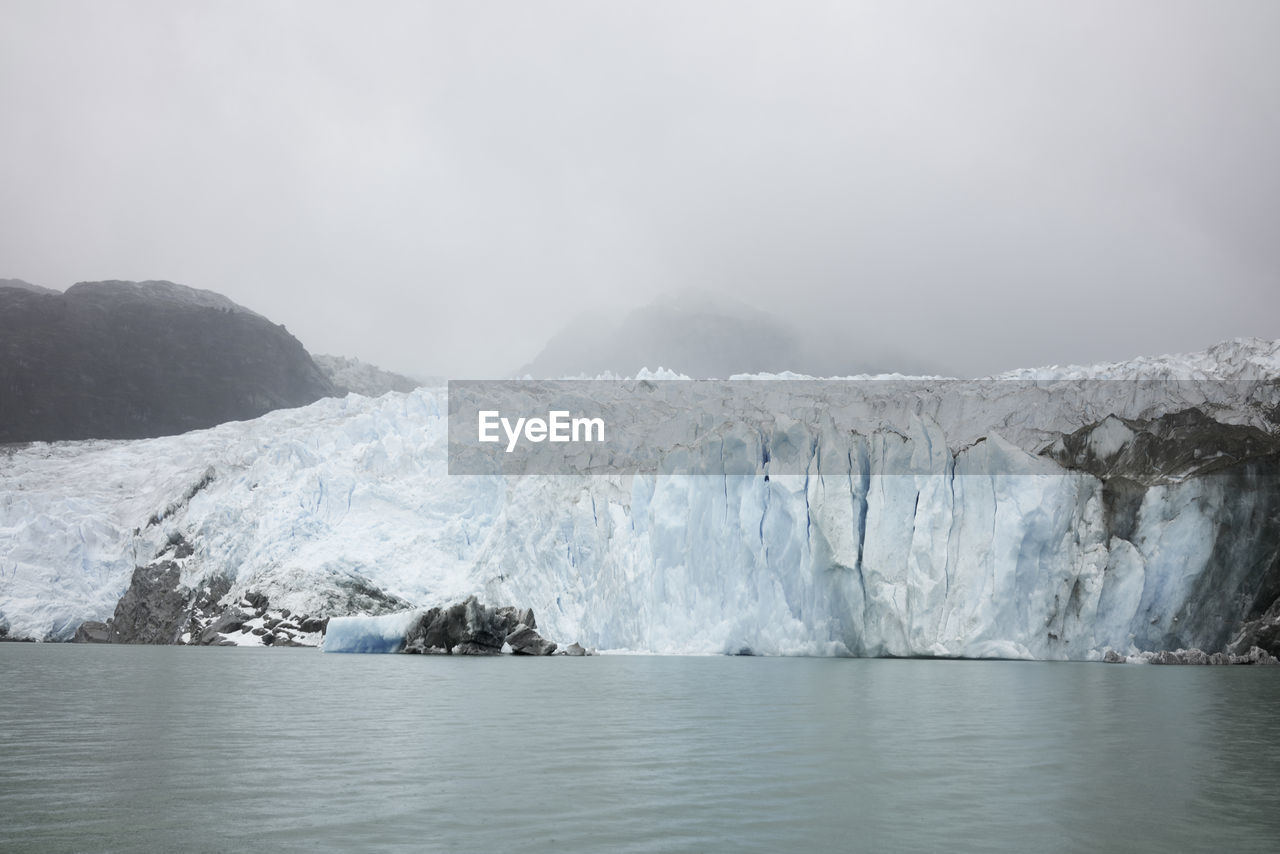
125, 360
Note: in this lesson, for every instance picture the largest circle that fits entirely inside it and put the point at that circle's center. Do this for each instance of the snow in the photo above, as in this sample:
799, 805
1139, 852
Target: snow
1110, 438
973, 554
357, 377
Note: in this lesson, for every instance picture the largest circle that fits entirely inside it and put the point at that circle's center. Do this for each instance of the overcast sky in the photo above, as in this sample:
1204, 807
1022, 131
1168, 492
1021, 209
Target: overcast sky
439, 187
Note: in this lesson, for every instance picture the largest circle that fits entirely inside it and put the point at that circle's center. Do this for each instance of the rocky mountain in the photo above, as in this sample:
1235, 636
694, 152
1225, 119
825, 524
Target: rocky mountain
130, 360
20, 285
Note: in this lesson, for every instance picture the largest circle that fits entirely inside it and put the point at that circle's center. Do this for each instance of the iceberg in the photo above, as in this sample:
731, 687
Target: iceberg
363, 633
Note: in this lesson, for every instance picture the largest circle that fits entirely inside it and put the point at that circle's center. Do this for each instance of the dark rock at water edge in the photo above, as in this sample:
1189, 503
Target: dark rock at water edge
5, 636
1193, 656
1263, 632
158, 609
155, 609
471, 628
232, 620
464, 628
524, 640
1255, 655
473, 648
92, 631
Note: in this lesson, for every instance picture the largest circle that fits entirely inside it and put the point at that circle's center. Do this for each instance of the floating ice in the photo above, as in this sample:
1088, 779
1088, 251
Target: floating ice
383, 633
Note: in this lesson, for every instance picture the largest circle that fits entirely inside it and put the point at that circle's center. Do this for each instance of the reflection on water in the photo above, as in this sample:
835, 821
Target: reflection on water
163, 748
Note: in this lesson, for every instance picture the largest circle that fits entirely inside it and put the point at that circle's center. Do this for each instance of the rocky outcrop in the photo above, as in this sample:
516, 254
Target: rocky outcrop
1254, 655
1263, 633
232, 620
158, 608
465, 628
130, 360
525, 640
471, 628
155, 609
6, 636
92, 631
1175, 446
1136, 460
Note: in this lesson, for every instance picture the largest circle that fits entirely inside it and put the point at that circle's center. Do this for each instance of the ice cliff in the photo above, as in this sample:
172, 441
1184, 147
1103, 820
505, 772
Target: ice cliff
1045, 528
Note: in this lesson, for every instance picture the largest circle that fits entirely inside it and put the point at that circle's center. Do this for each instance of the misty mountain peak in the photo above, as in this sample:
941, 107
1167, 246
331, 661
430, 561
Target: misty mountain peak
693, 335
19, 284
702, 337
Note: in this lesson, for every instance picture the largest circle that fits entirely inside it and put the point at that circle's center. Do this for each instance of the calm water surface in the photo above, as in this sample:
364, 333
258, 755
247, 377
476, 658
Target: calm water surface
184, 749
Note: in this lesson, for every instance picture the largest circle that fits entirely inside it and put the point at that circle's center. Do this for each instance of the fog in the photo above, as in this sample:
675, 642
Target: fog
439, 188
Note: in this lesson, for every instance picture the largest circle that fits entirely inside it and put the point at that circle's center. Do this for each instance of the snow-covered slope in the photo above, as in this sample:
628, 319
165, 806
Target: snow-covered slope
1035, 561
355, 376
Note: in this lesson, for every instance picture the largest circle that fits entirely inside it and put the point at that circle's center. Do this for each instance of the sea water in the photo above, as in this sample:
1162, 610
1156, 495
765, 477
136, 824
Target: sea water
126, 748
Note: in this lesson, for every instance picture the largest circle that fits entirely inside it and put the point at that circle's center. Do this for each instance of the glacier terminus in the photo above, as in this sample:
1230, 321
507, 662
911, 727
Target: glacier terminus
1016, 525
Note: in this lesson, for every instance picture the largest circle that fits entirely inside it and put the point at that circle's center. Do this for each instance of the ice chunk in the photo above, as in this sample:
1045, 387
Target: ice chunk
384, 633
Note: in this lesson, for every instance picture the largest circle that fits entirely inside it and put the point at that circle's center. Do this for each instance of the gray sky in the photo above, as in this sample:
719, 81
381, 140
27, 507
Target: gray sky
439, 187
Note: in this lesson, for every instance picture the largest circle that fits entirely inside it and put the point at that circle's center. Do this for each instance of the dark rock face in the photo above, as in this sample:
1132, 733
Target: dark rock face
473, 648
520, 616
232, 620
524, 640
6, 636
1255, 655
92, 632
1241, 464
125, 360
158, 608
1174, 446
155, 609
485, 626
345, 593
313, 624
470, 628
437, 631
1263, 633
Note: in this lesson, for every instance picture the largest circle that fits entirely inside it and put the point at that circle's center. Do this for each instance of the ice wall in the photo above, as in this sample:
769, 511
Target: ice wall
308, 505
383, 633
961, 564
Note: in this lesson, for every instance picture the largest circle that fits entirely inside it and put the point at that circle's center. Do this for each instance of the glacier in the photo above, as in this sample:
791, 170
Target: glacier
1001, 547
